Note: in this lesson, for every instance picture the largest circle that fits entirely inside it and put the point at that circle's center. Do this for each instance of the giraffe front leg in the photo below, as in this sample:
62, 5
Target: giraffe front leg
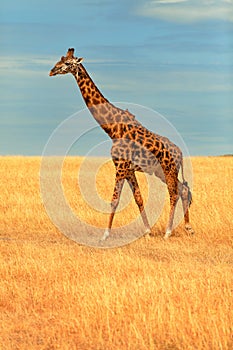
119, 182
132, 180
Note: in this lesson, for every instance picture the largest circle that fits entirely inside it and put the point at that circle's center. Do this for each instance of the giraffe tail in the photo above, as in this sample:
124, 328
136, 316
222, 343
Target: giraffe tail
185, 183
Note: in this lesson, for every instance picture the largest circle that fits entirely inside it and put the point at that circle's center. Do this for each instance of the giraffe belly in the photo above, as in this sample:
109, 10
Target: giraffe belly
150, 169
139, 158
145, 165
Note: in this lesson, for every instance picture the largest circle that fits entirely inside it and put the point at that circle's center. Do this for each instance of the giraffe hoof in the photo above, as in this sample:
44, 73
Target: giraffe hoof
147, 234
105, 235
167, 234
189, 229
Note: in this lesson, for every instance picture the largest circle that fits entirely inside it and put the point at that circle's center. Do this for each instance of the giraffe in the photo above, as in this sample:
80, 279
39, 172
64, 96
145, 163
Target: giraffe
134, 148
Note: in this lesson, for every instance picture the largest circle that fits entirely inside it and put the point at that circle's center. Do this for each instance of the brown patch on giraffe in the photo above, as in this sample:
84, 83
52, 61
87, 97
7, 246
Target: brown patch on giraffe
118, 118
95, 101
103, 109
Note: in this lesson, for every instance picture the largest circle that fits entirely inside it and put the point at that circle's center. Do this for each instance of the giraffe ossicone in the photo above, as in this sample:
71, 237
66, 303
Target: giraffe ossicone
134, 148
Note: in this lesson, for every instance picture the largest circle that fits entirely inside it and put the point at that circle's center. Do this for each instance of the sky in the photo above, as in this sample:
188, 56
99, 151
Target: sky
174, 57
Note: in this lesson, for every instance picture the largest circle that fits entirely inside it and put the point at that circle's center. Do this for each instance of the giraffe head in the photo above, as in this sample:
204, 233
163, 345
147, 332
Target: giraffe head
67, 64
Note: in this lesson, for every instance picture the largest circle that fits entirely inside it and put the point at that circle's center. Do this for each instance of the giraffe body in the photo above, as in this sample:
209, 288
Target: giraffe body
134, 147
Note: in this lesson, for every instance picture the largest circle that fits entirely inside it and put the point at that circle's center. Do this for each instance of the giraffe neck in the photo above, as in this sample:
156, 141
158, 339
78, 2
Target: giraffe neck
104, 112
91, 94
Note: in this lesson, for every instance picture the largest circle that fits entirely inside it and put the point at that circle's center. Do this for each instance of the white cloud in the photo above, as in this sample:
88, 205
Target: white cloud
187, 10
24, 63
36, 63
191, 80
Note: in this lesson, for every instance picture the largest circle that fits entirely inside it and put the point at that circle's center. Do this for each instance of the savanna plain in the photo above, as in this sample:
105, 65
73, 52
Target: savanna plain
150, 294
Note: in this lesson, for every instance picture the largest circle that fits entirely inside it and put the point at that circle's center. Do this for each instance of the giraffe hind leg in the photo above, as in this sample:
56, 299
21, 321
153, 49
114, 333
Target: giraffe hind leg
172, 185
173, 201
186, 197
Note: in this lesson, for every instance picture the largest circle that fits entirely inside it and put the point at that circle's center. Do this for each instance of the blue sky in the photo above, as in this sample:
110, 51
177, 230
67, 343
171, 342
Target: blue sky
173, 56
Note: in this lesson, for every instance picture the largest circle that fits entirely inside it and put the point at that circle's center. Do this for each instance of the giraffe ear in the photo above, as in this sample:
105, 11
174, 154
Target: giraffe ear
79, 60
63, 58
70, 53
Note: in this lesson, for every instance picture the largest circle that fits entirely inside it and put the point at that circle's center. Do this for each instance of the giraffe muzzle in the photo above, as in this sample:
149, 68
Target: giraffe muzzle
51, 74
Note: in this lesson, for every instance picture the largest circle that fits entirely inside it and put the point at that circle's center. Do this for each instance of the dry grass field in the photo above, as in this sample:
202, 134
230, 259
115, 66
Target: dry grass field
150, 294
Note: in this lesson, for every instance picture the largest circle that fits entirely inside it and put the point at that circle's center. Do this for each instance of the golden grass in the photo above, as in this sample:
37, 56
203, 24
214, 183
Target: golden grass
151, 294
